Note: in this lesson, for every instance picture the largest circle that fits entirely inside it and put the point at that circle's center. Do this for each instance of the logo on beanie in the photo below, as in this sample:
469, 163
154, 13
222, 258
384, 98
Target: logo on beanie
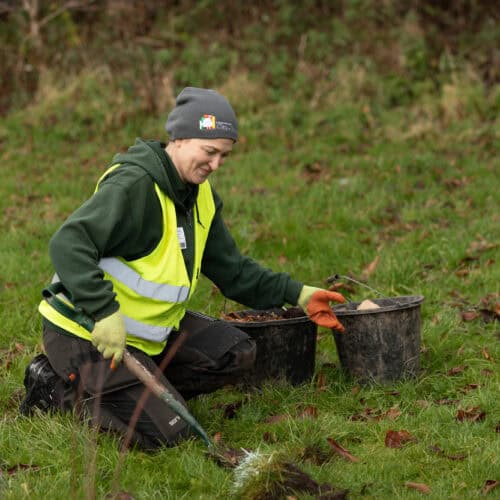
207, 122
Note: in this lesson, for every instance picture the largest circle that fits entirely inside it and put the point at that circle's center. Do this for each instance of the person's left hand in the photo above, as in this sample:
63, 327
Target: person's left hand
316, 304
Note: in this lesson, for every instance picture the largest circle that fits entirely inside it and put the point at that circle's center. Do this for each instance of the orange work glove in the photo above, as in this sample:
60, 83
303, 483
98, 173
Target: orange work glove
316, 304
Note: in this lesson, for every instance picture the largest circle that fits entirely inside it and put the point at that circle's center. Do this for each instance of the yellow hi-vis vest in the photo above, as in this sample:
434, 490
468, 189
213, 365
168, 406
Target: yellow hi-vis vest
153, 290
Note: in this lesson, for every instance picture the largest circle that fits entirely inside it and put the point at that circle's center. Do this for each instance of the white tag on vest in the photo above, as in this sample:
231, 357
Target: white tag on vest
182, 238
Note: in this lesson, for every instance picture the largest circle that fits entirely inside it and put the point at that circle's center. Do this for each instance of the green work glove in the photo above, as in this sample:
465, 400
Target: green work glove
316, 304
109, 336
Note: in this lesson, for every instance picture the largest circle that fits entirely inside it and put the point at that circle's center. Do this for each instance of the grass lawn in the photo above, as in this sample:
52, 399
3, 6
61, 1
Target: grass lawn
404, 198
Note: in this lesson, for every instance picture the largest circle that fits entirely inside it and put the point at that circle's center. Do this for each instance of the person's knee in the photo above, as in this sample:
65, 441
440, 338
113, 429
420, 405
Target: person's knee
243, 355
165, 440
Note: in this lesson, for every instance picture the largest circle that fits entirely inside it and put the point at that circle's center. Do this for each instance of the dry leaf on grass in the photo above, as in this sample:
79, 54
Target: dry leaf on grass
446, 401
269, 437
392, 413
490, 485
321, 382
340, 450
308, 412
273, 419
369, 269
470, 315
438, 451
472, 414
486, 354
20, 468
396, 439
423, 488
230, 409
457, 370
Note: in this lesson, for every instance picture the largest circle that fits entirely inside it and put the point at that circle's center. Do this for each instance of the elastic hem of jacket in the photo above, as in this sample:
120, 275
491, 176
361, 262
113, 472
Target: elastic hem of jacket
106, 311
292, 292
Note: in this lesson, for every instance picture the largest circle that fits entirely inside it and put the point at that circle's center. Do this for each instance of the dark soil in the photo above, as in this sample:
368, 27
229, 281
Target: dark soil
267, 315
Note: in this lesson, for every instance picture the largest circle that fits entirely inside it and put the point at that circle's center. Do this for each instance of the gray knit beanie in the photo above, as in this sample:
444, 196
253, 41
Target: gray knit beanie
202, 114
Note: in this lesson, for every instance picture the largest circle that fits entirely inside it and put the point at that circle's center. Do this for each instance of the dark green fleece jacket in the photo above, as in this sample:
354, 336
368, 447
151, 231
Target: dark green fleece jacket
123, 218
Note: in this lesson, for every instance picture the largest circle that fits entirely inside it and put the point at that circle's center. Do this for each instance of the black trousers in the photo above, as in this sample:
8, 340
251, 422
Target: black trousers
213, 354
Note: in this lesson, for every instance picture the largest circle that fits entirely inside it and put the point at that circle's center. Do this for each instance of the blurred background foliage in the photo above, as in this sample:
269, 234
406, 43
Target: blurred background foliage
140, 53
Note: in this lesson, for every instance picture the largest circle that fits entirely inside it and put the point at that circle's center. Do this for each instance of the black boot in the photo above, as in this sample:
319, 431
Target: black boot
40, 381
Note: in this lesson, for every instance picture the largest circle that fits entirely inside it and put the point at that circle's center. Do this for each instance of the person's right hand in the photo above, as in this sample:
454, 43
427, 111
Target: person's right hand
109, 336
316, 304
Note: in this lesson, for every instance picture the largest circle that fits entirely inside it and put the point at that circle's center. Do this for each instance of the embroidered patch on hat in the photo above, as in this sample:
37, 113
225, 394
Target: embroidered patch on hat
207, 122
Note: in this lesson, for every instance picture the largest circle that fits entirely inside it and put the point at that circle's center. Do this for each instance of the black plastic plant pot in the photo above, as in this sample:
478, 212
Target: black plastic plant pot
286, 344
380, 345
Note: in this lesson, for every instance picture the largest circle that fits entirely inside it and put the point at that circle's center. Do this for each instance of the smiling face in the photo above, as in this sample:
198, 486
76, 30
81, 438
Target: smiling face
196, 159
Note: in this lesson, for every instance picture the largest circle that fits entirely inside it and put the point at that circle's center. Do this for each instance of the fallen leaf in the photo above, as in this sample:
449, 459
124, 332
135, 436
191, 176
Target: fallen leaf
321, 382
470, 315
314, 172
273, 419
486, 354
369, 269
470, 387
492, 302
270, 437
458, 457
368, 414
230, 409
457, 369
393, 393
436, 449
487, 372
480, 246
392, 413
340, 450
423, 488
473, 414
7, 356
308, 412
446, 401
455, 183
396, 439
490, 485
282, 259
21, 467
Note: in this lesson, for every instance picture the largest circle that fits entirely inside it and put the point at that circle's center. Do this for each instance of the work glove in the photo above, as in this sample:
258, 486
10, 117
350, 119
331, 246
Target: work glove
109, 336
316, 304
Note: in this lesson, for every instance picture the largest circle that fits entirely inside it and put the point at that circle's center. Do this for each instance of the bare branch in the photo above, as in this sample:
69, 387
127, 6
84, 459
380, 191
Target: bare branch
72, 4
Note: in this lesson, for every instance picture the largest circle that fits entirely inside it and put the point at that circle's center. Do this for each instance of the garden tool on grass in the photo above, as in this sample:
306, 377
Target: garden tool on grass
131, 362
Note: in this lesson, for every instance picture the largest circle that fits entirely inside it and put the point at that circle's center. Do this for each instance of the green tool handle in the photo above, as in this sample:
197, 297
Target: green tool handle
132, 363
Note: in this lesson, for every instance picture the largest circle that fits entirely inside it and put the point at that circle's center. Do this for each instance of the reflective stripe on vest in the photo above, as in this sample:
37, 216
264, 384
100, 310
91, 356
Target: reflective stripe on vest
148, 332
133, 280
